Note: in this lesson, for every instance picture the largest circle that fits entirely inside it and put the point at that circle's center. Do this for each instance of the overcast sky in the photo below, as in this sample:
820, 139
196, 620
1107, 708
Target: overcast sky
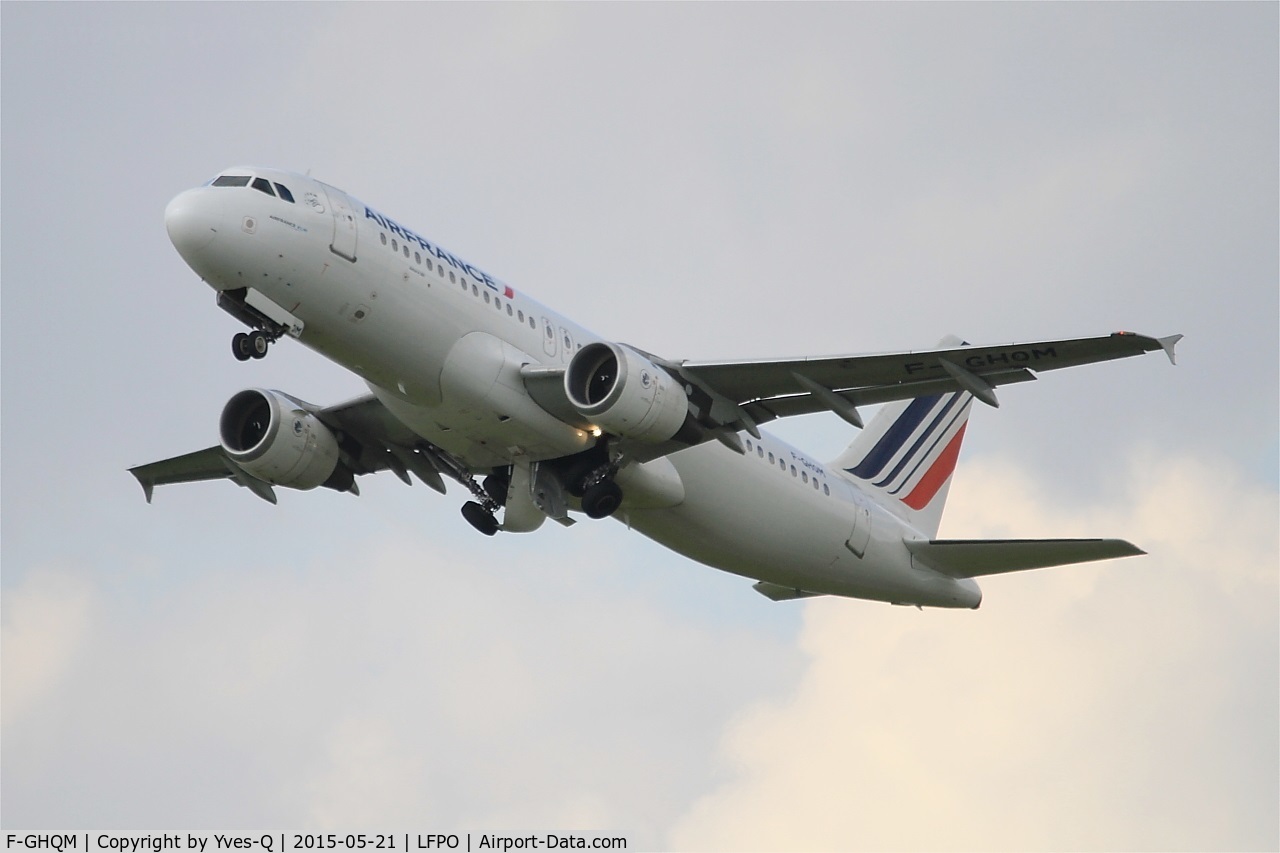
703, 181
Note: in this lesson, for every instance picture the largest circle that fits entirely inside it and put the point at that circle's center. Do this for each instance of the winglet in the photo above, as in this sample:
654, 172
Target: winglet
148, 486
1167, 344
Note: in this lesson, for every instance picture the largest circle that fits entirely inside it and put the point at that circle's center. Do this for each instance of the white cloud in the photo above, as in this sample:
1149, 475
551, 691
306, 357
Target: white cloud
44, 627
413, 682
1129, 705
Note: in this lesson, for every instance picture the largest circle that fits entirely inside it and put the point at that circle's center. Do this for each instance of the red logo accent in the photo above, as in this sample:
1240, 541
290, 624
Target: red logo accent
937, 474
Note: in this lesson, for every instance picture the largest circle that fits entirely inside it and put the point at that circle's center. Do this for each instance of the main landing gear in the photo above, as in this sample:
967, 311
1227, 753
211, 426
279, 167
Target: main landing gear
480, 518
247, 345
602, 499
482, 512
591, 479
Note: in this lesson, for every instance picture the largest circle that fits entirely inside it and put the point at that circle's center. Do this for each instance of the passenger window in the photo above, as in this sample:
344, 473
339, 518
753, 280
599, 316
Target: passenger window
760, 451
748, 444
804, 476
231, 181
825, 490
520, 315
532, 325
771, 457
262, 185
782, 463
417, 257
429, 267
509, 311
815, 484
284, 193
793, 470
384, 238
486, 295
453, 278
406, 250
395, 246
476, 292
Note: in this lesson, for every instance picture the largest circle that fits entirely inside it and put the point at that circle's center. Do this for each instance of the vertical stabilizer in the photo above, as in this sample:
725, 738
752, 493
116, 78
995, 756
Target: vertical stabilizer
905, 457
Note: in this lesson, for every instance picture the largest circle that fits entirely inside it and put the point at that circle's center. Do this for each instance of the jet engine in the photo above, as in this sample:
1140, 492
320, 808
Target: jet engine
624, 393
272, 437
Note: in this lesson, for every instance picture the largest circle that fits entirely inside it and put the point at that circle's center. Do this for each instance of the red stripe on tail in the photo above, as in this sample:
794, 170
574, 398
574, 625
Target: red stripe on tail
936, 475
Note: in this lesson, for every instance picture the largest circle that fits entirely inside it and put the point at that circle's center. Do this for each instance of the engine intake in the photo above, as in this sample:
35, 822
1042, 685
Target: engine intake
624, 393
272, 437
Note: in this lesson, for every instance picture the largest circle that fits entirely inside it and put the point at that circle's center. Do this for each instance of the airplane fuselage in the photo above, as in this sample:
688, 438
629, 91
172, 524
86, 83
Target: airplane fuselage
442, 344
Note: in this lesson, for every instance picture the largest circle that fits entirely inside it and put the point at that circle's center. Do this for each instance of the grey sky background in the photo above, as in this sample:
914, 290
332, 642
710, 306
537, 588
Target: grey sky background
704, 181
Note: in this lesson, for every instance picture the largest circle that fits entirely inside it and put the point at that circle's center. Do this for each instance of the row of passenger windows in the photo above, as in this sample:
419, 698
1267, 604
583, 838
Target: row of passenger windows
262, 185
782, 464
438, 268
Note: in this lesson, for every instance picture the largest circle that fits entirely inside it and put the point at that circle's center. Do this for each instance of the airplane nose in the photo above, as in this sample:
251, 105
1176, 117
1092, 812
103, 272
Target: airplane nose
191, 222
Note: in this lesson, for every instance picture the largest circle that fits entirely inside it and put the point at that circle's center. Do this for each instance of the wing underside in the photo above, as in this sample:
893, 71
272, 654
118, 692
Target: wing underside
781, 388
370, 439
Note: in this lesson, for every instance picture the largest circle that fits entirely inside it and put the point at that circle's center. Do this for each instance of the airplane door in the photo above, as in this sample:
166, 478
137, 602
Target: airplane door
345, 227
857, 542
548, 337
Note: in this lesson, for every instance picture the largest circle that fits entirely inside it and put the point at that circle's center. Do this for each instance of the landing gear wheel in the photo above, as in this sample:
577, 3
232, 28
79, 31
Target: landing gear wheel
496, 486
258, 344
480, 518
240, 347
602, 499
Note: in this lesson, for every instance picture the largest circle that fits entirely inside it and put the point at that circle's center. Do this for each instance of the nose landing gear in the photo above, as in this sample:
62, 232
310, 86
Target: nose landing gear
255, 344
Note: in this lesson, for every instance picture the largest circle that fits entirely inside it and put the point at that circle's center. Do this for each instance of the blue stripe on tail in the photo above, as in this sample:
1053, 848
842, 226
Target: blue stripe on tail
896, 436
924, 436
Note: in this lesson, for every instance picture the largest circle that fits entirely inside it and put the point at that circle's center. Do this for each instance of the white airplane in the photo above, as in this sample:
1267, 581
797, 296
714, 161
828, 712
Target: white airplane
471, 378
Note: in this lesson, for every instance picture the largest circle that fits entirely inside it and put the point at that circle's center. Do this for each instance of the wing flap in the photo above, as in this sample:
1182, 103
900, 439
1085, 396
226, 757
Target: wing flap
970, 558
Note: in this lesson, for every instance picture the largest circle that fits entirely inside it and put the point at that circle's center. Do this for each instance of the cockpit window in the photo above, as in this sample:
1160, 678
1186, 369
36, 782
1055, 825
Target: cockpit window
264, 186
231, 181
284, 193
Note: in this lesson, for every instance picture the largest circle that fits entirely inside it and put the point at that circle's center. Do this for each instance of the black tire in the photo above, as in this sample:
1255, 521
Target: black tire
480, 518
496, 486
602, 500
258, 344
240, 346
577, 473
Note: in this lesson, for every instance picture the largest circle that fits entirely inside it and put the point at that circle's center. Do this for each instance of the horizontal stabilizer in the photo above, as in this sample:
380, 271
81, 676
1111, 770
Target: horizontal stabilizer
776, 592
969, 558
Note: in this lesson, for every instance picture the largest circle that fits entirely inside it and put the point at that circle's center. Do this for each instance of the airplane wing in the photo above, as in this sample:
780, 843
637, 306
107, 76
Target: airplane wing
726, 397
370, 440
765, 390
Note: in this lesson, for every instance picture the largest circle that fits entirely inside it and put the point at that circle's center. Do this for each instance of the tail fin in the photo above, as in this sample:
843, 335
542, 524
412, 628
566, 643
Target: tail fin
906, 455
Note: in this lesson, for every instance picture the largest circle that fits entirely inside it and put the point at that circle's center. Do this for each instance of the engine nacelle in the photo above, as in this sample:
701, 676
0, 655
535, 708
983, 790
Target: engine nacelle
624, 393
275, 439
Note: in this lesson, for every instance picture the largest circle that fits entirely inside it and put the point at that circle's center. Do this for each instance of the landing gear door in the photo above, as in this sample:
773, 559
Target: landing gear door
857, 542
345, 226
